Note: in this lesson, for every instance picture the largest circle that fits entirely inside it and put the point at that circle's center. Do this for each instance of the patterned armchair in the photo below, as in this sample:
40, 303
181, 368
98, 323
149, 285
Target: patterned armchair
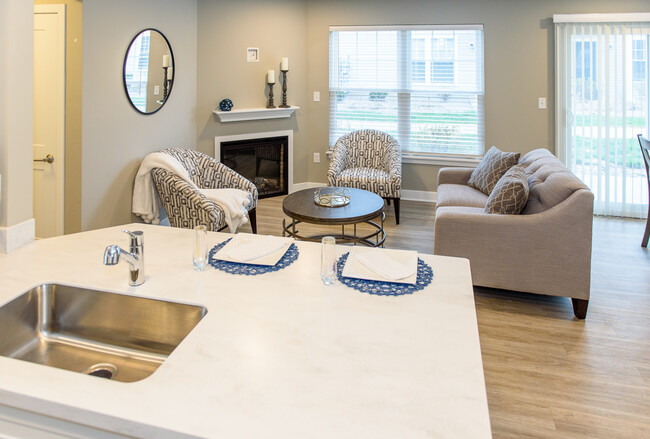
187, 207
370, 160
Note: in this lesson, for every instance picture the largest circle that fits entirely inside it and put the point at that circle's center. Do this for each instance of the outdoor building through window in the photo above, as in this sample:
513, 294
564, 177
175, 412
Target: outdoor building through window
421, 84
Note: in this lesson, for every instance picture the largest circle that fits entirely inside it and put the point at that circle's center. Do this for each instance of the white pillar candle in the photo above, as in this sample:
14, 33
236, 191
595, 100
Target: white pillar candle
285, 64
270, 76
165, 60
170, 73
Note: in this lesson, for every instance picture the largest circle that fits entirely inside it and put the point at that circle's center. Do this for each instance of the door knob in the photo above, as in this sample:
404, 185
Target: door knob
48, 159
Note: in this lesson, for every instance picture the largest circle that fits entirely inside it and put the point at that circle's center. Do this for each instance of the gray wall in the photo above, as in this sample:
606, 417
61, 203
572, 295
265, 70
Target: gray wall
519, 63
16, 111
225, 29
115, 137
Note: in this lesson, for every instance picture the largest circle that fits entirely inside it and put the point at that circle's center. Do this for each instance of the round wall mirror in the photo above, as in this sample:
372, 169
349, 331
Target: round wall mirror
148, 71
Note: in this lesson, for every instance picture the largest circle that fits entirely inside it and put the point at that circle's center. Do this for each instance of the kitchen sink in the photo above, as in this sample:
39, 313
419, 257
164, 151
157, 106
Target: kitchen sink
109, 335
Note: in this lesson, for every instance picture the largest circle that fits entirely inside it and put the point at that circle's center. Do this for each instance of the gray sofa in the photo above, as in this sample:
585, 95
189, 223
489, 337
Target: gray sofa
545, 250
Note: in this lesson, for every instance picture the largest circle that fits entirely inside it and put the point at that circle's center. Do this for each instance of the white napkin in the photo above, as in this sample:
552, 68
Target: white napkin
255, 248
384, 265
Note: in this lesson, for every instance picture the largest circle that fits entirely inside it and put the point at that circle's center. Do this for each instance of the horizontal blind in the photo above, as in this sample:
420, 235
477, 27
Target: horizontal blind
423, 85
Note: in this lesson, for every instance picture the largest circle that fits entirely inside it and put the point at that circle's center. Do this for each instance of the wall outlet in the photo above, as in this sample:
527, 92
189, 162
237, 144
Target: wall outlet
156, 90
541, 103
316, 96
317, 157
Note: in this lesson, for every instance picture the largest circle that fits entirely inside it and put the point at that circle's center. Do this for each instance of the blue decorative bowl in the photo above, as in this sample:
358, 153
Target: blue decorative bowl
225, 105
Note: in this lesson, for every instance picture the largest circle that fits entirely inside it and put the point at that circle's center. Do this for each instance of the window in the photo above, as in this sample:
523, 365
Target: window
639, 59
421, 84
585, 68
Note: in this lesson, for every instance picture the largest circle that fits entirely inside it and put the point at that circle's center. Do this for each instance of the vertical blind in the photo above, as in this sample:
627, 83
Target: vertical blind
421, 84
602, 104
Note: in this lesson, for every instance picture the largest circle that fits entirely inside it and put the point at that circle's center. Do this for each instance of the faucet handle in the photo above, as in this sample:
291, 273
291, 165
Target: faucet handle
137, 237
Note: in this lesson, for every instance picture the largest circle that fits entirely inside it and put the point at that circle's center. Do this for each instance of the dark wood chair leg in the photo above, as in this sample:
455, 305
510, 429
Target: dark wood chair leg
646, 235
388, 201
252, 216
396, 210
580, 308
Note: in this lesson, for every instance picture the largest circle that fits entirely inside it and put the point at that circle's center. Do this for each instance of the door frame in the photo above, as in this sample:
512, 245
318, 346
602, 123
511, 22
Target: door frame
59, 162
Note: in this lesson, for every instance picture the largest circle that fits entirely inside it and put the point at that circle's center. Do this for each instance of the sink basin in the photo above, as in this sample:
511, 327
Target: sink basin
115, 336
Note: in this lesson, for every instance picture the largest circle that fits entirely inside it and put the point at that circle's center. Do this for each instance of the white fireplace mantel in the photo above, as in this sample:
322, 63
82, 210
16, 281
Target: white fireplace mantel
254, 114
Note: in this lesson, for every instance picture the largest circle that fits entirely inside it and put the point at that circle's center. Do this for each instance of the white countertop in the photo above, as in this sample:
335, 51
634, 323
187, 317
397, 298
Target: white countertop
277, 355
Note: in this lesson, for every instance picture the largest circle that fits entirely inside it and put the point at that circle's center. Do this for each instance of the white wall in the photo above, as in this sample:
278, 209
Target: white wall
16, 121
115, 138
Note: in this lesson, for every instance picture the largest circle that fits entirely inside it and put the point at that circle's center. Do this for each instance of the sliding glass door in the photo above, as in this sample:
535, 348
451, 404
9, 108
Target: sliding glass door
602, 104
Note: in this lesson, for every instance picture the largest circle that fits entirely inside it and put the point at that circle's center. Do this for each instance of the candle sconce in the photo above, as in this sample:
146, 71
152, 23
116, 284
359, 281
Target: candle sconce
284, 89
165, 83
271, 104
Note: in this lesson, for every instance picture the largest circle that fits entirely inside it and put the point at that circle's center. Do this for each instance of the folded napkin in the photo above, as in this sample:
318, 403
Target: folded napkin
385, 266
255, 248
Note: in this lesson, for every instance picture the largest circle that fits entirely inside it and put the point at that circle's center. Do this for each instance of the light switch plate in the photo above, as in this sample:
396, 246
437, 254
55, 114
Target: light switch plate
541, 103
156, 90
316, 96
317, 157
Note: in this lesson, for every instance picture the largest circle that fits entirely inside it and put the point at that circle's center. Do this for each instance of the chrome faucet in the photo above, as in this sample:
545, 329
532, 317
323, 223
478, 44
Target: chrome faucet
135, 259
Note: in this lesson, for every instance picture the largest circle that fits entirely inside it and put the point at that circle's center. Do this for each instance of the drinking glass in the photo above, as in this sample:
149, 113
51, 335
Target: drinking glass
328, 260
200, 258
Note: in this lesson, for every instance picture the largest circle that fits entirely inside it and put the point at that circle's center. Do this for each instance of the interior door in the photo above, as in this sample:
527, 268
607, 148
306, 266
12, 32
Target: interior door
49, 119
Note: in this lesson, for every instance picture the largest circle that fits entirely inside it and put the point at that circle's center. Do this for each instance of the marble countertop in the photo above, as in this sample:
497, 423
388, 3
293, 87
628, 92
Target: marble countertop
277, 355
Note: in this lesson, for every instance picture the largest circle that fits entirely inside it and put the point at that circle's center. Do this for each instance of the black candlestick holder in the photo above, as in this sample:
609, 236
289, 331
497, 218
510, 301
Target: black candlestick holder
284, 89
166, 83
271, 104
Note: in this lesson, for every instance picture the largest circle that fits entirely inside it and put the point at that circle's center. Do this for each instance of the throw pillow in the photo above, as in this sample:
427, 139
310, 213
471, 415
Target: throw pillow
510, 194
495, 163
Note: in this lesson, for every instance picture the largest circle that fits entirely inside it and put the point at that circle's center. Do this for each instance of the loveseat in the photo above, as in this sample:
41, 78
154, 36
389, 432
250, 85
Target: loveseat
546, 249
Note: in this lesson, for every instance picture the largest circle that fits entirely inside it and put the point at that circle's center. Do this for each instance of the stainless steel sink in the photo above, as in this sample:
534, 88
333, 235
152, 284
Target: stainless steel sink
109, 335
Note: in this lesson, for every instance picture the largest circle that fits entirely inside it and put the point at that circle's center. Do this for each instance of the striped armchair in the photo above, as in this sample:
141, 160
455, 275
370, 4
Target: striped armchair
187, 207
370, 160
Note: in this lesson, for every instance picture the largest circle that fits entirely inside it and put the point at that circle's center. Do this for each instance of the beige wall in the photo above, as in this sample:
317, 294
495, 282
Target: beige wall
115, 137
519, 63
16, 111
73, 44
225, 29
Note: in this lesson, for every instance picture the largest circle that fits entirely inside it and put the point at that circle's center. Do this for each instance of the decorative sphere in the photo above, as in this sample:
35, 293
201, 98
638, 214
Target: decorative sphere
225, 105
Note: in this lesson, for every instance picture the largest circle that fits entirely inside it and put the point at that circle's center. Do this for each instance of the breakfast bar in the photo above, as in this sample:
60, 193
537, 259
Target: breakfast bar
276, 355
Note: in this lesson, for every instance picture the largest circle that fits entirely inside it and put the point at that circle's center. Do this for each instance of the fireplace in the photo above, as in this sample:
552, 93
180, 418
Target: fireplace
263, 160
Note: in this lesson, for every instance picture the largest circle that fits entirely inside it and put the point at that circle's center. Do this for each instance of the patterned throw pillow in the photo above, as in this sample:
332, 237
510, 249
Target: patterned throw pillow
510, 194
495, 163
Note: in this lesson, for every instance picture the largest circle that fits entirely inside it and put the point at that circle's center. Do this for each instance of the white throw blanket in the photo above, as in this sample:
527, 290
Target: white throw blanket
146, 202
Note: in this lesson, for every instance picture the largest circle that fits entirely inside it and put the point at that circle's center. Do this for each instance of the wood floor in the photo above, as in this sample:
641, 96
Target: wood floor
547, 374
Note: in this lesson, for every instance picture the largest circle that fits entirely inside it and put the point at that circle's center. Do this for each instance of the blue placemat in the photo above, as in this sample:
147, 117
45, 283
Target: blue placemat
251, 269
424, 277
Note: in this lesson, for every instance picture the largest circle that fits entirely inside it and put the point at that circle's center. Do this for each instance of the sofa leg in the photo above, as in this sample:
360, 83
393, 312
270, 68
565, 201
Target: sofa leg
580, 308
252, 216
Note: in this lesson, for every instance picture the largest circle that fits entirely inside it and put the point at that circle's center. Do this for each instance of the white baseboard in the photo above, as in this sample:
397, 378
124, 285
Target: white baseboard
424, 196
409, 195
16, 236
307, 185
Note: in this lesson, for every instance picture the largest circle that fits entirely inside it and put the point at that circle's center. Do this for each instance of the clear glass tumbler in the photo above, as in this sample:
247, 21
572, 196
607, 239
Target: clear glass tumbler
200, 257
328, 260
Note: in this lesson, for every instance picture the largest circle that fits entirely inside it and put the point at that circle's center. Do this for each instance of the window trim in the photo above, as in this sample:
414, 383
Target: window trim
428, 158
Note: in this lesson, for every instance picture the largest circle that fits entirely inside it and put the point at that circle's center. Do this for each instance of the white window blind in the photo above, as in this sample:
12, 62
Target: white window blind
602, 104
421, 84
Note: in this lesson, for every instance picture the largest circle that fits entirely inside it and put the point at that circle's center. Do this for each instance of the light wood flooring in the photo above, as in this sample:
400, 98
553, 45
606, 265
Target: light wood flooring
547, 374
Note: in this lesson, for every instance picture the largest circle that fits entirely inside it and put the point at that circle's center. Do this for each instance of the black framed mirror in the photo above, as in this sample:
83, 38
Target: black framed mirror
148, 71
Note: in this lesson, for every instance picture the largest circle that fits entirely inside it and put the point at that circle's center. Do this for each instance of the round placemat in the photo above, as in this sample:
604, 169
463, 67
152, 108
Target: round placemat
251, 269
424, 278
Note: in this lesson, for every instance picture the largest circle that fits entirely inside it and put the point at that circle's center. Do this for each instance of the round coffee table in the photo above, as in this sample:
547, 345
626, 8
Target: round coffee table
363, 207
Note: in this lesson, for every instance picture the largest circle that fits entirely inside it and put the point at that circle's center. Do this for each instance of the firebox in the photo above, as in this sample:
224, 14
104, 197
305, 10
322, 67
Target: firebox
263, 161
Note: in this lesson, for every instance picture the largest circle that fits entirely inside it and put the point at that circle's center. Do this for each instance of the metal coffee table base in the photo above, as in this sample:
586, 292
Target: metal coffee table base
378, 234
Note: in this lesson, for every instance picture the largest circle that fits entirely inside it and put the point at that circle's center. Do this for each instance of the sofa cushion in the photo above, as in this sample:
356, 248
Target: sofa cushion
494, 164
549, 181
459, 195
510, 194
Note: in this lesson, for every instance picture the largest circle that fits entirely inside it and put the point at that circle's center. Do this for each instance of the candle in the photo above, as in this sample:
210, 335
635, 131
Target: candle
170, 73
270, 76
285, 64
165, 60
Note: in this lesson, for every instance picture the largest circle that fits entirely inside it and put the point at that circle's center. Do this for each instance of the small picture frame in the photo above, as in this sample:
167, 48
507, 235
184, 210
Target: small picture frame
253, 54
